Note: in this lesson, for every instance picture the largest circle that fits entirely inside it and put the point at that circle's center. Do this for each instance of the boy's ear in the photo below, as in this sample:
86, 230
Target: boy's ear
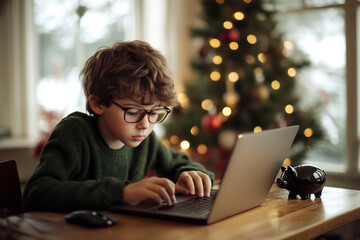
95, 105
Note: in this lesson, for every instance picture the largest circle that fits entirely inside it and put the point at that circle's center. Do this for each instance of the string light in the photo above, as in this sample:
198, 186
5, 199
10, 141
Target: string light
251, 39
233, 45
214, 42
292, 72
239, 16
227, 25
217, 60
308, 132
289, 109
195, 130
215, 76
275, 84
185, 145
288, 48
233, 76
257, 129
289, 45
202, 149
226, 111
207, 104
166, 142
287, 162
262, 57
174, 139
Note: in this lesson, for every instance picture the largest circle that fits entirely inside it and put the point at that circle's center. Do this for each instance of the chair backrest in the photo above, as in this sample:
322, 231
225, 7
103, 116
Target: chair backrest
10, 188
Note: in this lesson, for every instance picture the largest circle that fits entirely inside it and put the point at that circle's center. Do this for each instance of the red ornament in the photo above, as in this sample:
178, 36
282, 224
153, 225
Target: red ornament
211, 123
229, 35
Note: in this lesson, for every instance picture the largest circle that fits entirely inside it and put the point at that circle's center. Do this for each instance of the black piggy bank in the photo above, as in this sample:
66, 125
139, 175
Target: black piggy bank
302, 180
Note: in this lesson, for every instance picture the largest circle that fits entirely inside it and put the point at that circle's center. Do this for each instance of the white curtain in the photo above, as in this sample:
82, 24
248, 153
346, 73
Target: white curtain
17, 68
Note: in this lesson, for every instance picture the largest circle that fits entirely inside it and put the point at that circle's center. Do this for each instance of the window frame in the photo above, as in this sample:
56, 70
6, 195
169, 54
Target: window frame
17, 97
350, 178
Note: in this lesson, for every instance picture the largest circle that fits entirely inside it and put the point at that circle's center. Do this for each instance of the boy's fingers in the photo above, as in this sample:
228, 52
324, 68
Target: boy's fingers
162, 193
165, 188
187, 178
181, 189
198, 182
154, 196
207, 183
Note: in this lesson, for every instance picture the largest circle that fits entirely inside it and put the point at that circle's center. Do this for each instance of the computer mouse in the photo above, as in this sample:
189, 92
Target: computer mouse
90, 219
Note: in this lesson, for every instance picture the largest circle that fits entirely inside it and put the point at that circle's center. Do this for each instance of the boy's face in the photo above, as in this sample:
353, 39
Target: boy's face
117, 132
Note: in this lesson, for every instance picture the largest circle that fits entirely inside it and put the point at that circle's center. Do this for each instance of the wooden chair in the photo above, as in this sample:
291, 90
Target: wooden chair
10, 188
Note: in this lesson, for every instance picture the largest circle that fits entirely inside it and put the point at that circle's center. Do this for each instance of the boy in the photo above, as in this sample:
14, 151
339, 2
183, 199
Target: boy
102, 159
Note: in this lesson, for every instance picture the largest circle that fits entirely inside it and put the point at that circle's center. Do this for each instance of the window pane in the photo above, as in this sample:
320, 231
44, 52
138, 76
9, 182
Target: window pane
320, 35
286, 5
321, 3
282, 5
68, 33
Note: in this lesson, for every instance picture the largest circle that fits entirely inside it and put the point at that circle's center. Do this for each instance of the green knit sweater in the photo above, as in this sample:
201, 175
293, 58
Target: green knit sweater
77, 170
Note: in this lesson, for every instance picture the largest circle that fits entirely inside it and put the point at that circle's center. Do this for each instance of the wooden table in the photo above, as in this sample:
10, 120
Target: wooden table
277, 218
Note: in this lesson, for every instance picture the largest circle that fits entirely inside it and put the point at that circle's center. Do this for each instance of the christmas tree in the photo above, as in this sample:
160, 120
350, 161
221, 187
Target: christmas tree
245, 81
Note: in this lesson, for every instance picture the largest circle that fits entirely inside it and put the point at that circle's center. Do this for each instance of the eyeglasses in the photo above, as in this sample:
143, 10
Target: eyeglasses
134, 115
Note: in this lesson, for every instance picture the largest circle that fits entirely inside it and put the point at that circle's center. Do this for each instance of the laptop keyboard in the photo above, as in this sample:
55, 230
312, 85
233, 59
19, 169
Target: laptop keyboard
196, 205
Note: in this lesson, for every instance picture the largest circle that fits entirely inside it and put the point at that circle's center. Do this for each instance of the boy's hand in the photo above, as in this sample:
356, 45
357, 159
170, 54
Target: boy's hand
193, 182
158, 189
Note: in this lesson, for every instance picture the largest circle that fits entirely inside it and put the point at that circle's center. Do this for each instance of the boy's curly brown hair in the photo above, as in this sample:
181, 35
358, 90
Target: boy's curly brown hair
131, 70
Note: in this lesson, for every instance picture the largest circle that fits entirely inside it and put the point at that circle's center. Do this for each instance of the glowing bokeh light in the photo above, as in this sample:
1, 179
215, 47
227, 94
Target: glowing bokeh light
257, 129
289, 109
308, 132
239, 16
275, 85
214, 42
226, 111
215, 76
251, 39
233, 76
185, 145
217, 60
233, 45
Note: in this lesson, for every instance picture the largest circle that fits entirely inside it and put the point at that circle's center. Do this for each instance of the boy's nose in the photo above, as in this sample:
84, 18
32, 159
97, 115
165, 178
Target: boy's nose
144, 122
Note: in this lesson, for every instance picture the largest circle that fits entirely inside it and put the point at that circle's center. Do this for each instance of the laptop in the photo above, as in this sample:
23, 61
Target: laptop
254, 163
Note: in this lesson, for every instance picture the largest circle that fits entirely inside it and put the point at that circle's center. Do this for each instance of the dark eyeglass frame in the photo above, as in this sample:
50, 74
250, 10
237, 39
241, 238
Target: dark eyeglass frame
145, 112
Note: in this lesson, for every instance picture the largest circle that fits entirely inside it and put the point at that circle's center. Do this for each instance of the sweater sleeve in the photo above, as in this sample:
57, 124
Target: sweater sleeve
169, 163
66, 177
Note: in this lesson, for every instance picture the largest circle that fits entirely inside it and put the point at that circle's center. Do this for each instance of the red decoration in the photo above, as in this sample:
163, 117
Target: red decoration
49, 120
211, 123
229, 35
203, 52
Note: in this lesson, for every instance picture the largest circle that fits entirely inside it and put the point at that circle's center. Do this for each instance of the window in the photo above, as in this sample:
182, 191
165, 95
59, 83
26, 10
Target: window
68, 33
45, 43
325, 30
